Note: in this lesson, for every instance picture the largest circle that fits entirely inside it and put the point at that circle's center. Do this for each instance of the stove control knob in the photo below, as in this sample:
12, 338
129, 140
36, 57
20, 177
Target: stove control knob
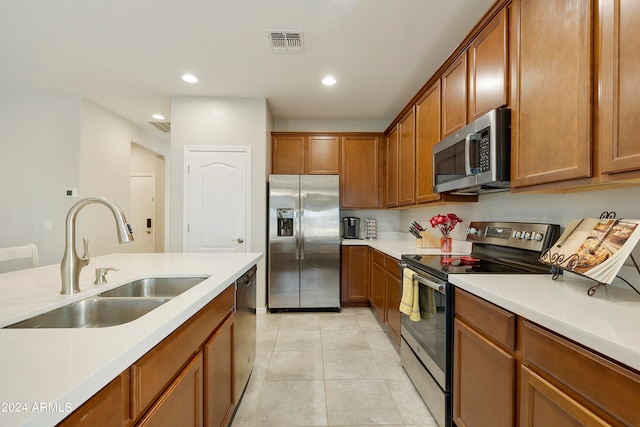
527, 235
516, 234
537, 237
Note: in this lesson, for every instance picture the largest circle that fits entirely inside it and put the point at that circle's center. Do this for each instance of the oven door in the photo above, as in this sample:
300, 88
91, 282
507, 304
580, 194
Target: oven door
428, 336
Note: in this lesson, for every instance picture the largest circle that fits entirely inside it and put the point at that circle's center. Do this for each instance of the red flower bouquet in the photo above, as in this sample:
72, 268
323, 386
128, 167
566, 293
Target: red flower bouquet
446, 223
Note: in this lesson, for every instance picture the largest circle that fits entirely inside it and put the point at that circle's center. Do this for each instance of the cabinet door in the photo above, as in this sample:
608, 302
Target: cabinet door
542, 405
108, 407
407, 160
359, 177
393, 288
427, 135
454, 96
355, 276
551, 121
181, 403
323, 155
288, 154
392, 168
377, 283
483, 381
619, 80
488, 67
219, 375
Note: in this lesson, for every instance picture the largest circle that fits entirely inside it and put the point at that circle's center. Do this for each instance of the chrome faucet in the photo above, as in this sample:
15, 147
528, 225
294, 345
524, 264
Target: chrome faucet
71, 263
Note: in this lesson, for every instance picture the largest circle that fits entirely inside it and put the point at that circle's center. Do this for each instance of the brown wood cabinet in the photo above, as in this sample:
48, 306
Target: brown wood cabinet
393, 295
181, 403
454, 96
484, 359
377, 283
393, 171
560, 383
294, 153
185, 378
407, 160
488, 67
360, 174
618, 63
552, 71
108, 407
355, 274
427, 135
219, 393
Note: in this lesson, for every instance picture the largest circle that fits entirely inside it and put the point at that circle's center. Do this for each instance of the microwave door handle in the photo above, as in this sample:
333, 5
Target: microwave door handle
467, 154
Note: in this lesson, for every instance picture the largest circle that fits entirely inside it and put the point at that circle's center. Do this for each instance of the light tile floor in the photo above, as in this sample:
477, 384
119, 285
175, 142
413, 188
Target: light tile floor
328, 369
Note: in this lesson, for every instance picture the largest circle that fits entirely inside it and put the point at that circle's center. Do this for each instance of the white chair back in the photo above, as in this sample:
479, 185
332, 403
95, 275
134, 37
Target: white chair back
20, 252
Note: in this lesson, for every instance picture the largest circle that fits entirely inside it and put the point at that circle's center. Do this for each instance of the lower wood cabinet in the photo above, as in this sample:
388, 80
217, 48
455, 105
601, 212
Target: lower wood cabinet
186, 380
560, 383
376, 296
393, 295
484, 368
355, 275
181, 403
219, 382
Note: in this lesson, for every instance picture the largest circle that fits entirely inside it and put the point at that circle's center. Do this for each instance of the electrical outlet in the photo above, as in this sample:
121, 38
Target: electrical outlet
48, 225
71, 192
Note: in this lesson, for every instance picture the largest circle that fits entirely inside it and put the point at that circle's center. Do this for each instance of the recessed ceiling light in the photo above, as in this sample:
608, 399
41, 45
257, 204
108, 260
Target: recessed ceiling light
158, 116
328, 81
190, 78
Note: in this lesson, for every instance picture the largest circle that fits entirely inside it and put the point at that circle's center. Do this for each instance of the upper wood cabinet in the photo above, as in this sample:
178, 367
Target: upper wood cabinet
454, 96
488, 56
299, 154
427, 135
360, 171
407, 160
618, 86
552, 71
392, 168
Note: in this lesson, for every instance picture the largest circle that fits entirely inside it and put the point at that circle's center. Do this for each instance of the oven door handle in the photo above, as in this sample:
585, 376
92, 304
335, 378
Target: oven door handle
421, 279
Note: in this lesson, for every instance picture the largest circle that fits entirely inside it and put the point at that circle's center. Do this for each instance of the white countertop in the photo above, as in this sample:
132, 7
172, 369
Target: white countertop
397, 244
62, 368
607, 322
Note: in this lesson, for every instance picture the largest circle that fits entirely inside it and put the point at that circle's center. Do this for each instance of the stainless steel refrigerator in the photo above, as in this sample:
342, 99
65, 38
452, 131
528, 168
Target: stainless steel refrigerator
304, 242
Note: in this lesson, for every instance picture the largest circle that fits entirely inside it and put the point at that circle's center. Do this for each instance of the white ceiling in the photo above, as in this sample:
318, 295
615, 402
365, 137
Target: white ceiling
129, 55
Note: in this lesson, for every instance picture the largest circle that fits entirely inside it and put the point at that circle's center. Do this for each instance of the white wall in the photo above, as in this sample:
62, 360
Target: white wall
39, 159
226, 122
105, 152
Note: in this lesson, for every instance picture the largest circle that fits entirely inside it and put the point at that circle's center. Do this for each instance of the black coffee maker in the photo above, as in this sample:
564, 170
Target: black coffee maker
351, 227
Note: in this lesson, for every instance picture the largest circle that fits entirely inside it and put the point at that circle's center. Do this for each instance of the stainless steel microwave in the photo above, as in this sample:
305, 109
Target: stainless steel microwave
475, 159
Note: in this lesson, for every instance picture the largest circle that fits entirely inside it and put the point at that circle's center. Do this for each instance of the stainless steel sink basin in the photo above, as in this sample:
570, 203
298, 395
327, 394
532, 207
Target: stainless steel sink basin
92, 313
155, 287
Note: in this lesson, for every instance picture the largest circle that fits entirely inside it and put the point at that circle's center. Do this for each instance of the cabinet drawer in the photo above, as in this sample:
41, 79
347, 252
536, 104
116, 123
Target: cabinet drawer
392, 267
493, 321
606, 385
378, 258
154, 371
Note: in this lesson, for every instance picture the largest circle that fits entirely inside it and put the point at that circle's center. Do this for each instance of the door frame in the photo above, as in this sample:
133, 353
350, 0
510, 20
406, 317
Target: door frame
188, 149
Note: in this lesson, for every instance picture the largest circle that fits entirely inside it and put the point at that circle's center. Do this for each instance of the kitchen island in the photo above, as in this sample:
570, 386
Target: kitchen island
48, 373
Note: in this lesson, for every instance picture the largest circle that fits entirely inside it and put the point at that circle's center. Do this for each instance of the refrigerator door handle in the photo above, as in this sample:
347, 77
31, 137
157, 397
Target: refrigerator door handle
296, 225
303, 197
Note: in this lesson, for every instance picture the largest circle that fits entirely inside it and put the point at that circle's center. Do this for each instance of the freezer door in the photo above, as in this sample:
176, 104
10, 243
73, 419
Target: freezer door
284, 228
320, 241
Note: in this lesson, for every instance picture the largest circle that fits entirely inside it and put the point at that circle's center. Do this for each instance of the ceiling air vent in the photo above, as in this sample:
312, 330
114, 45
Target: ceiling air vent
163, 126
286, 41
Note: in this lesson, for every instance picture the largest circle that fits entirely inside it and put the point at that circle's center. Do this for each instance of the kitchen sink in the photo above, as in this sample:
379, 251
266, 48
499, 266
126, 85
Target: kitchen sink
155, 287
93, 313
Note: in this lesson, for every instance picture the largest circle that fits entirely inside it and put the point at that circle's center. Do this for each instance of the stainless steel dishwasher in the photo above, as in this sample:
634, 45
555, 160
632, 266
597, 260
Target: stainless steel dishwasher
245, 330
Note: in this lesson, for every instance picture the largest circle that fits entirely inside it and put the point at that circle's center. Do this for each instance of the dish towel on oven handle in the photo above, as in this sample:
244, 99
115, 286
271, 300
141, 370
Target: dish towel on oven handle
410, 302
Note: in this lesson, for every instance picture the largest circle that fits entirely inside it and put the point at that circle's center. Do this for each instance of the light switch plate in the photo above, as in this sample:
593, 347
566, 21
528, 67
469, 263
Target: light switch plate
71, 192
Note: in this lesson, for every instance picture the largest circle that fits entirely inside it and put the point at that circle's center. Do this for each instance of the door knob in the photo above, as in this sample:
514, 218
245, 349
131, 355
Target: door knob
239, 240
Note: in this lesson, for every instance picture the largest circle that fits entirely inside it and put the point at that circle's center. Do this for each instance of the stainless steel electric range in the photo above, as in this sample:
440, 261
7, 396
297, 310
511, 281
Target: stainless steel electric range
426, 347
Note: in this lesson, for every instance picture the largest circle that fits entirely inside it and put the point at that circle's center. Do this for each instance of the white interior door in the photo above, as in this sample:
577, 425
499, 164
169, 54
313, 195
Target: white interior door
143, 188
217, 199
